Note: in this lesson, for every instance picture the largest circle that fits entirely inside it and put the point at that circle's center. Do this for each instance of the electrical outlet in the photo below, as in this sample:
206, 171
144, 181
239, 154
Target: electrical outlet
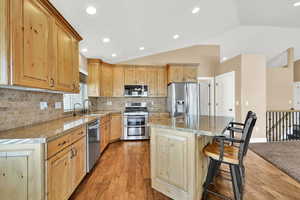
57, 105
43, 105
109, 103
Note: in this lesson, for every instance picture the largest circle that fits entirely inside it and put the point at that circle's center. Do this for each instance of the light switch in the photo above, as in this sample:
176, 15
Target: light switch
43, 105
57, 105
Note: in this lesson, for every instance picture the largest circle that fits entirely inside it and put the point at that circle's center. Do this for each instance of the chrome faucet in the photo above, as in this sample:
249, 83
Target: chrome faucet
86, 110
74, 106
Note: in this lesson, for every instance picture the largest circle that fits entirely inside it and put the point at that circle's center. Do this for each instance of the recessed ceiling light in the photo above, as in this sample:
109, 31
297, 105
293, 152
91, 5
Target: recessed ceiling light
113, 55
224, 58
142, 48
297, 4
84, 50
106, 40
91, 10
195, 10
176, 36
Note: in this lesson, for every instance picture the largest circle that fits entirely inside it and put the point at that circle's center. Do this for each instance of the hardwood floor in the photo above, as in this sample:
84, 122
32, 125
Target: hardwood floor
123, 173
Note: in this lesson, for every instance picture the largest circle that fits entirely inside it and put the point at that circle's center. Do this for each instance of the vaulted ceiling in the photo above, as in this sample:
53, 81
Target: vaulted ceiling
255, 26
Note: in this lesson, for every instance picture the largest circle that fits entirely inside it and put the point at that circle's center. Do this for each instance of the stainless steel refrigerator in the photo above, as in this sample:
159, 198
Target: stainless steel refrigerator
184, 99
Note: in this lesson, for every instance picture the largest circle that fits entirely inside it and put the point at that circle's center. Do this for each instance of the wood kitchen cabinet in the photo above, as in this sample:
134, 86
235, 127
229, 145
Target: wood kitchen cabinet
105, 132
129, 75
59, 176
78, 162
152, 81
116, 127
106, 85
67, 167
44, 47
141, 75
100, 79
162, 82
22, 176
118, 81
182, 73
94, 77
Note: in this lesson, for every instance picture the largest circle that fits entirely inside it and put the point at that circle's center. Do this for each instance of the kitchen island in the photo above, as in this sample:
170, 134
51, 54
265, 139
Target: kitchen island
178, 166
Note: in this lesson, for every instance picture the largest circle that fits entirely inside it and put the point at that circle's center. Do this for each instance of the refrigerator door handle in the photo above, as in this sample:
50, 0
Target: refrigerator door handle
187, 110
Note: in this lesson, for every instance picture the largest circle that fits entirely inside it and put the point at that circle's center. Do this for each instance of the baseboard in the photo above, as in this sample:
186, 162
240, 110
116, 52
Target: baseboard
258, 140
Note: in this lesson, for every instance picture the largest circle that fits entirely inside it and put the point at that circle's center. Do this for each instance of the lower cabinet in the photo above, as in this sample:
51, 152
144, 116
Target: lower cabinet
116, 127
105, 132
59, 176
171, 163
65, 170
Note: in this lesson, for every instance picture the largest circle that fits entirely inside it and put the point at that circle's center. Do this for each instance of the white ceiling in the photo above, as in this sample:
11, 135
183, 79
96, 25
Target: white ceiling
237, 25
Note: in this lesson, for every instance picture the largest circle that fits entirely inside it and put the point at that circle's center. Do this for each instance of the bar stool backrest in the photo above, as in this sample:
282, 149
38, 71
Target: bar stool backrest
247, 132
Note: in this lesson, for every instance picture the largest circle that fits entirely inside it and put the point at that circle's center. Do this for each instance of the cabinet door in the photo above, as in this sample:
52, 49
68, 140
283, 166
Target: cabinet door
172, 162
140, 75
31, 39
175, 74
190, 74
94, 69
58, 176
14, 179
118, 81
106, 80
129, 75
103, 135
162, 82
78, 162
116, 127
152, 81
75, 54
65, 70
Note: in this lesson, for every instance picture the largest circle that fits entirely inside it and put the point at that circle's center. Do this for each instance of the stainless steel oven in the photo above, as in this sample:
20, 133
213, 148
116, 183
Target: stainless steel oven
135, 122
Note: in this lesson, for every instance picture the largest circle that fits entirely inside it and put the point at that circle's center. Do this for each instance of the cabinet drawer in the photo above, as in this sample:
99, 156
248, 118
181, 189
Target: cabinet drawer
56, 145
77, 134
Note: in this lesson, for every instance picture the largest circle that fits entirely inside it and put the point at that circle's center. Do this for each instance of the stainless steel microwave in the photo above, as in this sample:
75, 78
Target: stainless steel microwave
135, 90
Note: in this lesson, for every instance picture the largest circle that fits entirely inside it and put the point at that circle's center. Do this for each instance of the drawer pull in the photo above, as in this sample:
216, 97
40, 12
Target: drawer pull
80, 133
63, 143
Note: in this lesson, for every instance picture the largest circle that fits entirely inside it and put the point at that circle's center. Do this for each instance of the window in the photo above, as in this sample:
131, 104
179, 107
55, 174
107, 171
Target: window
71, 99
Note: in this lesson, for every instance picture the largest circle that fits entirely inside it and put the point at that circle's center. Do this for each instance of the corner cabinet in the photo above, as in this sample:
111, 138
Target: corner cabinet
44, 47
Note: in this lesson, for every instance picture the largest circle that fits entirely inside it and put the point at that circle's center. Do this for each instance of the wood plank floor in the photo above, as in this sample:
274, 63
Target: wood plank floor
123, 173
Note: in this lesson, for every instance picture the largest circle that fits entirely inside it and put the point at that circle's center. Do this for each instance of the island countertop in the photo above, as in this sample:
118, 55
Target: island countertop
199, 125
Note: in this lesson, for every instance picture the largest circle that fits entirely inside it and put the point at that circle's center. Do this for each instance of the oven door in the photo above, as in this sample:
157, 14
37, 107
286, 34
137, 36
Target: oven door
135, 127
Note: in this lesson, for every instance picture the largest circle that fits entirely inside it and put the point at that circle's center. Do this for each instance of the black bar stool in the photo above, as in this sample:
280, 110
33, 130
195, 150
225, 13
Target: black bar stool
220, 152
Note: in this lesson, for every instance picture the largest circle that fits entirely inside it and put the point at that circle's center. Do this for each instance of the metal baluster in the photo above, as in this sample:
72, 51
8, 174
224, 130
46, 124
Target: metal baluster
273, 126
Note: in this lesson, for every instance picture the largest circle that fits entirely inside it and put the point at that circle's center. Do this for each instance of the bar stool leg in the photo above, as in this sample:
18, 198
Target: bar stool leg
236, 182
211, 173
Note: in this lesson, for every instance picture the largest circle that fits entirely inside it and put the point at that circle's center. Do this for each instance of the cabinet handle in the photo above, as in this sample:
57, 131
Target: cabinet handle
51, 82
63, 143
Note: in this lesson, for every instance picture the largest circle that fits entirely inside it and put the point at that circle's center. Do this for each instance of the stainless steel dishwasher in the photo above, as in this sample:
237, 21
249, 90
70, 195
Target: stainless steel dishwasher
93, 144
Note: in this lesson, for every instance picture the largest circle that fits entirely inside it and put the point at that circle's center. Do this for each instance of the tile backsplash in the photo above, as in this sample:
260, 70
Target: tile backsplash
22, 107
157, 104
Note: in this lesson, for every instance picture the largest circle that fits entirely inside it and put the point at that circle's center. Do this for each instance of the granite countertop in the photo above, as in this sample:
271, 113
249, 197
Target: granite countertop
47, 131
199, 125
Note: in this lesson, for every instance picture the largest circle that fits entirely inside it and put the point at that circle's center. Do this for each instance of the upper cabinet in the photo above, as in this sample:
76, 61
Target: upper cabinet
100, 78
44, 47
107, 80
182, 73
106, 85
94, 78
118, 81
